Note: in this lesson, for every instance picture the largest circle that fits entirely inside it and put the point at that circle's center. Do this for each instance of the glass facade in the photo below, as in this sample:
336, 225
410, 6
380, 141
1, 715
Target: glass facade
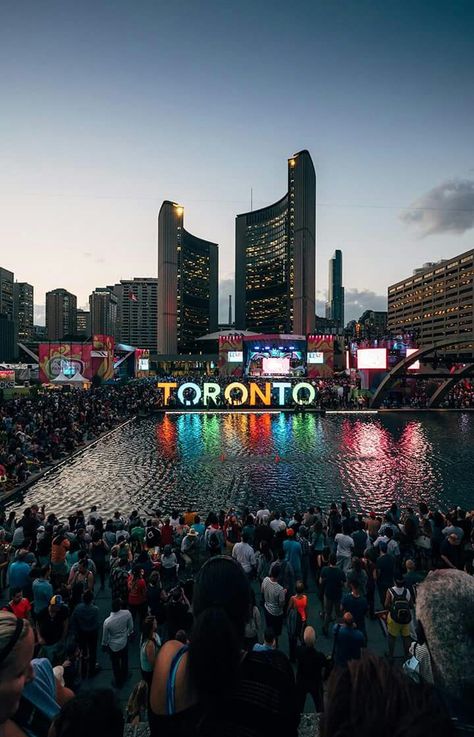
193, 290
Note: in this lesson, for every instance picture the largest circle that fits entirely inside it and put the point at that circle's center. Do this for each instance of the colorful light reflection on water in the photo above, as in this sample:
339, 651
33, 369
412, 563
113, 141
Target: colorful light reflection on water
212, 461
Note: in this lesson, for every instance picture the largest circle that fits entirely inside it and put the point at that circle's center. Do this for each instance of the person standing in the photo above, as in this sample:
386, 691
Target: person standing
345, 547
356, 604
310, 673
117, 629
85, 625
42, 591
331, 580
399, 604
244, 554
293, 553
273, 601
348, 641
384, 571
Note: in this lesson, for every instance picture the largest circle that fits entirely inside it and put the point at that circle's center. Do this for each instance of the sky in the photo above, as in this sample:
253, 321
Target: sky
110, 107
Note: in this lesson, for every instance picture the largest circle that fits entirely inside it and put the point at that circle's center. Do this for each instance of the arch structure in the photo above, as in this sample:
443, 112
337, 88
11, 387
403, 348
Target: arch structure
400, 369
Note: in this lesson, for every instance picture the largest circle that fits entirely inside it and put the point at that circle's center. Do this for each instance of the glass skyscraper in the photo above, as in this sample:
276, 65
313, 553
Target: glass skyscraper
275, 255
187, 284
335, 303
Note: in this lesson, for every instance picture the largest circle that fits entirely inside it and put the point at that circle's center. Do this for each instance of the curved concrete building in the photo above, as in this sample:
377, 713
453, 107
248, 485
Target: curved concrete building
275, 258
187, 284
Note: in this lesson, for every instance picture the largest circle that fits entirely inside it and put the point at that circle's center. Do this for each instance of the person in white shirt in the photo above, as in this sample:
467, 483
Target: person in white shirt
262, 515
345, 546
277, 524
245, 555
115, 634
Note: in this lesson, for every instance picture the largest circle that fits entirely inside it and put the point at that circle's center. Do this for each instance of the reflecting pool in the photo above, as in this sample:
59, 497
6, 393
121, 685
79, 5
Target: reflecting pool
287, 460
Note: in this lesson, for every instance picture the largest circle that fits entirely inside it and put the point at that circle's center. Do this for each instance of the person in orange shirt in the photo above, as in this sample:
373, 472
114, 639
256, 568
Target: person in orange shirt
189, 517
297, 620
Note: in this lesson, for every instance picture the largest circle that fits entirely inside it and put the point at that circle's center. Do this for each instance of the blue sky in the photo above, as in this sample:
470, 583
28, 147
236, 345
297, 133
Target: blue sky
110, 107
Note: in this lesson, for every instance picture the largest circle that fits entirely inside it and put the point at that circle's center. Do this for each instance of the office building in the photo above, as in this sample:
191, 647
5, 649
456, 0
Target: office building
138, 312
335, 303
188, 284
8, 327
103, 306
61, 308
373, 324
83, 323
436, 301
275, 255
23, 309
39, 333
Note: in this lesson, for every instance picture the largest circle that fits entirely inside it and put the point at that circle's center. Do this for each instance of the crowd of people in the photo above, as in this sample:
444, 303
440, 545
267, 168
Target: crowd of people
225, 611
38, 429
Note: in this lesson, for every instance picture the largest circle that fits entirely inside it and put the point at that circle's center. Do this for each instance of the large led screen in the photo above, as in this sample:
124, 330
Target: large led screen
372, 358
414, 366
276, 366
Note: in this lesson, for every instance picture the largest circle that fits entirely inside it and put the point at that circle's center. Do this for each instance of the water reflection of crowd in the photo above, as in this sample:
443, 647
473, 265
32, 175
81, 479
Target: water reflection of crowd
38, 429
205, 600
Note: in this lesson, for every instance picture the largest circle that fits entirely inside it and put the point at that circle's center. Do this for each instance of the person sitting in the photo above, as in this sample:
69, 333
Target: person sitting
213, 686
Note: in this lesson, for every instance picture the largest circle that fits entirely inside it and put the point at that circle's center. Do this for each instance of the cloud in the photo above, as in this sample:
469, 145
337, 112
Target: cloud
40, 315
356, 301
448, 208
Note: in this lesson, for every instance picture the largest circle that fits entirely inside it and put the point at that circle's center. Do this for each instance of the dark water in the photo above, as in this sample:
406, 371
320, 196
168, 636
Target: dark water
213, 461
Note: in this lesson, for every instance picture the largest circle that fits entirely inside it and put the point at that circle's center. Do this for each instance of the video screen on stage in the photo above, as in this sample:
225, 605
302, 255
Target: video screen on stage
276, 366
372, 358
315, 357
235, 356
268, 360
416, 365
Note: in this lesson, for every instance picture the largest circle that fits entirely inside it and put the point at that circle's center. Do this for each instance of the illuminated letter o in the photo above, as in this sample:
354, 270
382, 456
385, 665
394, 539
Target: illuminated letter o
195, 388
296, 390
236, 385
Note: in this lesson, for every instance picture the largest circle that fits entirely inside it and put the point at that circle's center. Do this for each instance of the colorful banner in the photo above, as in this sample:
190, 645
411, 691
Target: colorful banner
231, 355
7, 378
103, 356
66, 358
320, 356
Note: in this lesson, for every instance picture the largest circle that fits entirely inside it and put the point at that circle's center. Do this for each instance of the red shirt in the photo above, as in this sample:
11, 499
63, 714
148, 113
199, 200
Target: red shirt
22, 609
136, 591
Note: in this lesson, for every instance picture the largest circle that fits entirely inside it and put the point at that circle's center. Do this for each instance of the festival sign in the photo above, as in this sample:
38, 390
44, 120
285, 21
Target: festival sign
231, 355
7, 378
103, 356
238, 393
66, 358
320, 356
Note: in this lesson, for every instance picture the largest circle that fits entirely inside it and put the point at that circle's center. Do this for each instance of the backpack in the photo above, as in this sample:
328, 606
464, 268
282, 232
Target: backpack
400, 611
213, 542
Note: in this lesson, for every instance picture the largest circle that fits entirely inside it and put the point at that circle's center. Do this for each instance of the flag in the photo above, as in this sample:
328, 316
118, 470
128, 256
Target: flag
133, 297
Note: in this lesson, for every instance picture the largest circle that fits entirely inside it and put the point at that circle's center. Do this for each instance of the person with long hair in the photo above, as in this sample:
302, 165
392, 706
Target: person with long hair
150, 644
16, 652
212, 686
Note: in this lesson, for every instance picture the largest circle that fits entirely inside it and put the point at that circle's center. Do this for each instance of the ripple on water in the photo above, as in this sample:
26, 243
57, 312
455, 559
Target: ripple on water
288, 461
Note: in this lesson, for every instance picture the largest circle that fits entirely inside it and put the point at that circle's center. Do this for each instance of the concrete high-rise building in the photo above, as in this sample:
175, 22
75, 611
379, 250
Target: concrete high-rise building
275, 258
8, 327
335, 303
83, 323
23, 309
103, 306
187, 284
437, 301
61, 308
138, 311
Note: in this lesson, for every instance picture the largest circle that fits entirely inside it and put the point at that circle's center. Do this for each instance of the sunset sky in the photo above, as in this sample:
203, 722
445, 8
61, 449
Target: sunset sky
108, 108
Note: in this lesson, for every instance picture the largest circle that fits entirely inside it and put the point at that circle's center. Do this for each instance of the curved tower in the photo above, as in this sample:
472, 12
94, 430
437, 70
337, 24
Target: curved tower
187, 283
275, 258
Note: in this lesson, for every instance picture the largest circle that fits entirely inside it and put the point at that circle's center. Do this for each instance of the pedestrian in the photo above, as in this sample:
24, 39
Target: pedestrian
331, 580
312, 669
348, 641
117, 630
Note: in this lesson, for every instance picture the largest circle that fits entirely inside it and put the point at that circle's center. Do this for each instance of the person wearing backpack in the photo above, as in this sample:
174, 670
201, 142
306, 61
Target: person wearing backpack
398, 601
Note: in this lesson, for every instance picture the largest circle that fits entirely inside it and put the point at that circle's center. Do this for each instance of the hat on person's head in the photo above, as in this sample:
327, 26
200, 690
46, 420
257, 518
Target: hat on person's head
290, 532
192, 532
372, 515
56, 600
